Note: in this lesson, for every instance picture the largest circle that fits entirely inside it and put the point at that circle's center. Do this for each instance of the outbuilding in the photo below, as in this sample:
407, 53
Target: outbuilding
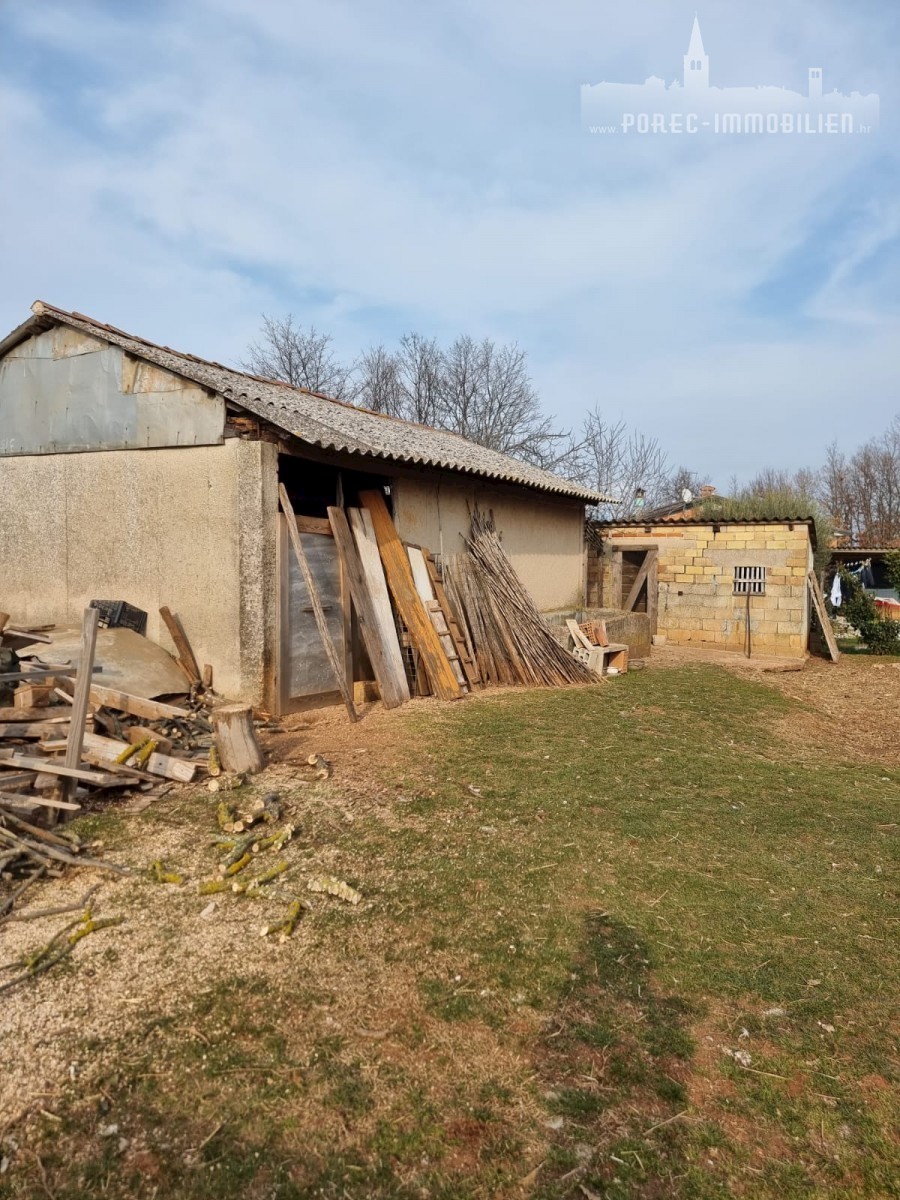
131, 471
740, 585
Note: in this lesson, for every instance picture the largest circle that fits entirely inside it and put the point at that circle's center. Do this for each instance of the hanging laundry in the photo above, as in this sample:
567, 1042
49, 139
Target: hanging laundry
836, 592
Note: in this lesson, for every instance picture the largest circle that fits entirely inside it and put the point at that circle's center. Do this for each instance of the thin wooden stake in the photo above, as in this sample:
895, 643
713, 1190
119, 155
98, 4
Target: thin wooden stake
324, 631
80, 701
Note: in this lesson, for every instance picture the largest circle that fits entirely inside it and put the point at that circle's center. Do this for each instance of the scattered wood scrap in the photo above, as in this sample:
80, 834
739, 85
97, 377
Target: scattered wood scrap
67, 740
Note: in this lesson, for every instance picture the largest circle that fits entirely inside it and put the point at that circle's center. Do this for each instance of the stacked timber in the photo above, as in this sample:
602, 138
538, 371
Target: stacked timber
428, 631
510, 641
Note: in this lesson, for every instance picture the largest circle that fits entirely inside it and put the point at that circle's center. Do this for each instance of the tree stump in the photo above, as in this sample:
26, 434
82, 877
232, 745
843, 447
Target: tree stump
236, 738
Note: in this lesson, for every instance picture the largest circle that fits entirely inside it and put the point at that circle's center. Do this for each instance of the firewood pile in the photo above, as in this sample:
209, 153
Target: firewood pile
67, 740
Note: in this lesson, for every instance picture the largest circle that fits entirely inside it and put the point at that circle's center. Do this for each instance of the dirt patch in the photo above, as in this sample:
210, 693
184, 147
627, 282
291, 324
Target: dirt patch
852, 710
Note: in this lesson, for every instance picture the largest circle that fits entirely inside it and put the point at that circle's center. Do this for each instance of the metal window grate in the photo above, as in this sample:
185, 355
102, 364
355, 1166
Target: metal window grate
749, 581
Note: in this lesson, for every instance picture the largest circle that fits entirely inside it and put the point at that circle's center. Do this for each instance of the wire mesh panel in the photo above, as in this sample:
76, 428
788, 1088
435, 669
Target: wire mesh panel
749, 581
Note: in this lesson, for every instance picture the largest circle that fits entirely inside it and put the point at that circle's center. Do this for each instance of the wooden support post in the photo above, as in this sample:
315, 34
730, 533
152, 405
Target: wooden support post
388, 667
653, 593
403, 588
236, 738
345, 685
80, 700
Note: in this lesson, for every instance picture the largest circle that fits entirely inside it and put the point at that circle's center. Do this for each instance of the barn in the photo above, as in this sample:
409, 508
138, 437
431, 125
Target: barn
131, 471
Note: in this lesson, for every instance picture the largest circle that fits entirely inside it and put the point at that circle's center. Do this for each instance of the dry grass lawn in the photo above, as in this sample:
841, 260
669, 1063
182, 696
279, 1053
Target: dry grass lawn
638, 940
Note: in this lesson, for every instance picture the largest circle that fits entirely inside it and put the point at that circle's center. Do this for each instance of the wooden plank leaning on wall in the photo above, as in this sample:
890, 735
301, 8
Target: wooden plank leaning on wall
403, 589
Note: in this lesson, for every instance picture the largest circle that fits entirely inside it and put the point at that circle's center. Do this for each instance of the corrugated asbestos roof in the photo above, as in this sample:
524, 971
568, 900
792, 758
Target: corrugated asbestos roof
316, 419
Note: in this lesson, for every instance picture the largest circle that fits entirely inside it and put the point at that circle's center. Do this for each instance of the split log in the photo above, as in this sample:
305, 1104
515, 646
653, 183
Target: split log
236, 738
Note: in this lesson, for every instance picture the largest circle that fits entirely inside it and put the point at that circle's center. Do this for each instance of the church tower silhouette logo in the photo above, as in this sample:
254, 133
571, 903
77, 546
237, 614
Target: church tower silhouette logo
696, 62
693, 105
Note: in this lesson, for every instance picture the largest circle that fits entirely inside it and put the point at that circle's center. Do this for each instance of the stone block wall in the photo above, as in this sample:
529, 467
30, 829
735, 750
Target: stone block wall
696, 601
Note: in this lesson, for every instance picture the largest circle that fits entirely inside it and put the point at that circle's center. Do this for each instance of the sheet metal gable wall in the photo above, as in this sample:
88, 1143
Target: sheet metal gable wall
65, 392
543, 536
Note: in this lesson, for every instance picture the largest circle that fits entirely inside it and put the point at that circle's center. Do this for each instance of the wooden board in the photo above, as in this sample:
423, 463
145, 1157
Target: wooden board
164, 765
649, 560
33, 729
151, 710
818, 600
185, 657
53, 767
344, 684
579, 637
320, 525
34, 803
370, 560
400, 581
388, 668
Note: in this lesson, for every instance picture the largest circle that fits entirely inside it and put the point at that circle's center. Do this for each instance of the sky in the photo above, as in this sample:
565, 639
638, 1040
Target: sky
380, 166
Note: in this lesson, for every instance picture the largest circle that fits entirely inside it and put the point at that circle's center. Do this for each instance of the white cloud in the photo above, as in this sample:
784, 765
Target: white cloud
378, 166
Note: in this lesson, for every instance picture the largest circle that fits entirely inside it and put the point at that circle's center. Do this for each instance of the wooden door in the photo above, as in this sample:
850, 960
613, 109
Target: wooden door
305, 677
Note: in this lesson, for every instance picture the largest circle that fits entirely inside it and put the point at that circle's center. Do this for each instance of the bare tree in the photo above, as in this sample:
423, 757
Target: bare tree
298, 356
479, 389
377, 383
621, 463
862, 492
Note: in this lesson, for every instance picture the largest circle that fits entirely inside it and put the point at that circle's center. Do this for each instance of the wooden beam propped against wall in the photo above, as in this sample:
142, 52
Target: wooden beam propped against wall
650, 559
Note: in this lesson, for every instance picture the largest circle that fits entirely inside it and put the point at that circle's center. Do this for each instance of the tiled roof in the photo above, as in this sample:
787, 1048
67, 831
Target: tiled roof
316, 419
651, 523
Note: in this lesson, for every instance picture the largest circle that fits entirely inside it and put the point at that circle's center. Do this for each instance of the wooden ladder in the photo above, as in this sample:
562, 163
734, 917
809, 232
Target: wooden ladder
469, 666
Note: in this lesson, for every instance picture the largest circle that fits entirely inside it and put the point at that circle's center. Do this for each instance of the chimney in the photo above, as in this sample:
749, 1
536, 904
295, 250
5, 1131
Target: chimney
706, 491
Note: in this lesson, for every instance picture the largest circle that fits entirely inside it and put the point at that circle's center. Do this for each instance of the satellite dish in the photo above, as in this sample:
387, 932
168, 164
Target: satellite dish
687, 495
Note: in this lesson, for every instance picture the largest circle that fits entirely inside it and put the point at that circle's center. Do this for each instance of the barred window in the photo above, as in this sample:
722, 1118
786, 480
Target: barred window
749, 581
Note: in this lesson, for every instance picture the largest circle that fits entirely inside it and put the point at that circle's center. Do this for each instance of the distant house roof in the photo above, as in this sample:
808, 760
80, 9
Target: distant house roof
316, 419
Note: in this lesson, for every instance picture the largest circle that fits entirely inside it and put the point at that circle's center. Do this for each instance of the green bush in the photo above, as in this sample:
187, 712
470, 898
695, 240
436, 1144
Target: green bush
858, 609
892, 567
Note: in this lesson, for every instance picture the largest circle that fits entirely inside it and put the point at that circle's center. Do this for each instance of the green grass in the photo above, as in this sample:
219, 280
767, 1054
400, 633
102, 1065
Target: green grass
650, 956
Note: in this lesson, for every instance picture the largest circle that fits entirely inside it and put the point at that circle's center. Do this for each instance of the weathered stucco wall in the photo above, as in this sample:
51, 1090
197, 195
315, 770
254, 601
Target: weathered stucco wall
191, 528
696, 576
543, 536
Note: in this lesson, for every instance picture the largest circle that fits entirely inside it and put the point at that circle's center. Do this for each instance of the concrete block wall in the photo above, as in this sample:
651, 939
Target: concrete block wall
696, 604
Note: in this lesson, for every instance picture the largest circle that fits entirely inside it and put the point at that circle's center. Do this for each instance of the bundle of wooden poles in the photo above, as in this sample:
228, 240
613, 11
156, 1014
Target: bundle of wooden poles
511, 642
